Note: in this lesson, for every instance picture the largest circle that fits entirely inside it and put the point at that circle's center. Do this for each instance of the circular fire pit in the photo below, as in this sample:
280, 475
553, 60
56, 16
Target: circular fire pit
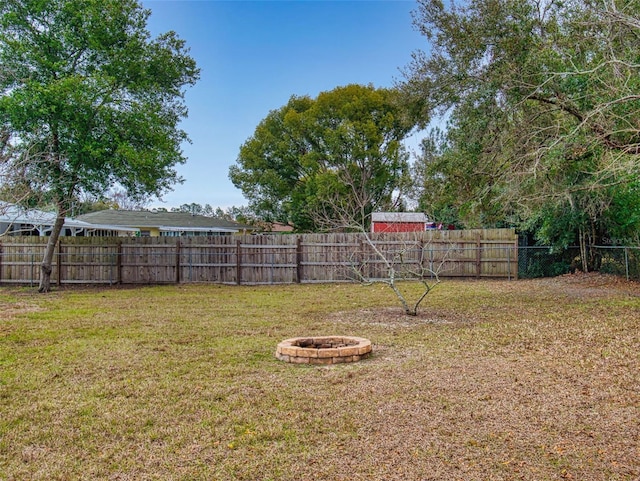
323, 350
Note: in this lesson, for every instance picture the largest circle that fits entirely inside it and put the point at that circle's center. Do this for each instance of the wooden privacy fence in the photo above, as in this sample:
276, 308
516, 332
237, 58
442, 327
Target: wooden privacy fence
262, 259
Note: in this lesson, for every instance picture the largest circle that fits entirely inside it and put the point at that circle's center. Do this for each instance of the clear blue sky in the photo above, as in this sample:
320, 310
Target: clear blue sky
254, 55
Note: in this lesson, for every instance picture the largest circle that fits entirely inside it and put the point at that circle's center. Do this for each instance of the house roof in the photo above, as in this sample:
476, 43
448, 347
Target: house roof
165, 221
14, 214
279, 227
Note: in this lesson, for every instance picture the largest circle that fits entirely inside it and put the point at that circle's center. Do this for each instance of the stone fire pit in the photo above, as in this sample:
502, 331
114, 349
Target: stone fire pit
323, 350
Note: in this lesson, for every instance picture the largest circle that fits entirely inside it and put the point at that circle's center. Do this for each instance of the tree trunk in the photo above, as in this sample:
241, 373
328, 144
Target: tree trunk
45, 267
583, 251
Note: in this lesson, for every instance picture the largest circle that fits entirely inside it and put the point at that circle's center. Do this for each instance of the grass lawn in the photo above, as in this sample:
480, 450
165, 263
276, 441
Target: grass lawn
523, 380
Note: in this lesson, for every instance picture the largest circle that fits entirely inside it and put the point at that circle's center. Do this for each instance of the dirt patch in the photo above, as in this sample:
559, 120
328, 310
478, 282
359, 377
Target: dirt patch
18, 308
394, 317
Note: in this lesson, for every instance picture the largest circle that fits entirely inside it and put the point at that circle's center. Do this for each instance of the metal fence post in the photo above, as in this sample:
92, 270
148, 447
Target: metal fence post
626, 261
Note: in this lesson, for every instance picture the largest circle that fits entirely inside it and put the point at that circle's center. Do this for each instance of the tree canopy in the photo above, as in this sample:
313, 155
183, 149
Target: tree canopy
542, 104
326, 162
89, 100
233, 213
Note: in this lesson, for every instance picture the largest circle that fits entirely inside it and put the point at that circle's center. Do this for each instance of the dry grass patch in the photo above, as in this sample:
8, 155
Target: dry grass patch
532, 380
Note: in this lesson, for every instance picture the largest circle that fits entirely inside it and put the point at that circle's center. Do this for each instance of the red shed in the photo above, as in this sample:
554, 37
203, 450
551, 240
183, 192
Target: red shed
398, 222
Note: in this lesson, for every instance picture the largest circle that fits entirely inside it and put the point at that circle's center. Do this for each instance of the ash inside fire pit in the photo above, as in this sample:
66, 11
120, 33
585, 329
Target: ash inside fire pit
323, 350
326, 343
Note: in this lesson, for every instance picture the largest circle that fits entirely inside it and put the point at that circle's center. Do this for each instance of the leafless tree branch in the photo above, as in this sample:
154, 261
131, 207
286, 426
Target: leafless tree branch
411, 259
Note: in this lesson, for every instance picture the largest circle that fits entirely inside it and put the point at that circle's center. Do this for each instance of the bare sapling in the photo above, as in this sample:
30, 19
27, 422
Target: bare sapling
392, 262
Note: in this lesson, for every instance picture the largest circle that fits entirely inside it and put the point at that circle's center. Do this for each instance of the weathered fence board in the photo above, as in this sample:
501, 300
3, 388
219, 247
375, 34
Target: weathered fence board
262, 259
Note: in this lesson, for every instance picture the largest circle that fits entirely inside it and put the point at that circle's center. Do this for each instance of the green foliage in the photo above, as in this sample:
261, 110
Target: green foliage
233, 213
90, 100
90, 97
623, 215
195, 209
329, 160
87, 206
541, 101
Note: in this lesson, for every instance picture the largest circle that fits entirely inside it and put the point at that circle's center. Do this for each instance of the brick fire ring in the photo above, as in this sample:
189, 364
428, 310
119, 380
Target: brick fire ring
323, 350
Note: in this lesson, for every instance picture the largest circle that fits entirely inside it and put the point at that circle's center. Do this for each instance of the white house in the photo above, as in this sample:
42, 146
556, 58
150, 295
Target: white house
15, 220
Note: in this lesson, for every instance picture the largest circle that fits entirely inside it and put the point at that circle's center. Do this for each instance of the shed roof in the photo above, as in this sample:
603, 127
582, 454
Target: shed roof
399, 217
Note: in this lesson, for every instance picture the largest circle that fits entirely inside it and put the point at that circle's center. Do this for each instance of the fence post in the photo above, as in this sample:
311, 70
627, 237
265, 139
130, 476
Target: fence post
626, 261
431, 251
238, 262
112, 262
478, 257
119, 263
178, 261
360, 258
1, 257
298, 259
59, 258
421, 246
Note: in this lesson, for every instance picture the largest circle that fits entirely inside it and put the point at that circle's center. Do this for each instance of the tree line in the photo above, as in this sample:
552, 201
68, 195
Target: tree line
532, 118
543, 117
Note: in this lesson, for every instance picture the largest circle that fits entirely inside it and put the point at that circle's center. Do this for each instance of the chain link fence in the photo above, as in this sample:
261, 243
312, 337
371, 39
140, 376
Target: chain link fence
623, 261
540, 261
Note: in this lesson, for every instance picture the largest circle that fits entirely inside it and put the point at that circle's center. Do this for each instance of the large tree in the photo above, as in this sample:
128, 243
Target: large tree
326, 162
542, 100
92, 101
